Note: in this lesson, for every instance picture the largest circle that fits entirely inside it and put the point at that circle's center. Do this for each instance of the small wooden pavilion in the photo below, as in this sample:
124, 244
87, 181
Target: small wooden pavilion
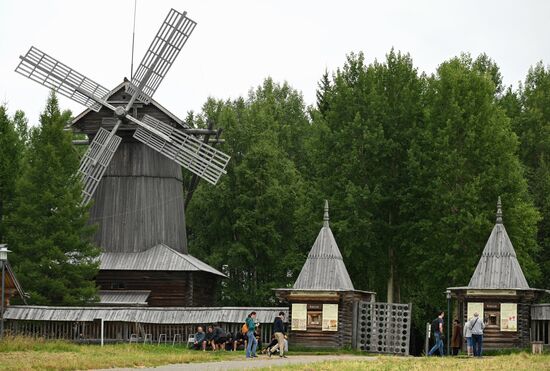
499, 292
323, 302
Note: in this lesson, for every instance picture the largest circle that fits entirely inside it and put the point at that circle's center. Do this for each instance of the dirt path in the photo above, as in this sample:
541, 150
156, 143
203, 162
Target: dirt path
243, 364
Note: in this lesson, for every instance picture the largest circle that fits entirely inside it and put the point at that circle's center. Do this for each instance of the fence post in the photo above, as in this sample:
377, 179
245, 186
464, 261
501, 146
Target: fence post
427, 342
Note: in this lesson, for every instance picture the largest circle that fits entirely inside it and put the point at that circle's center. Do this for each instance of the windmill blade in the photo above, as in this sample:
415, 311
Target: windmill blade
47, 71
95, 162
188, 151
164, 49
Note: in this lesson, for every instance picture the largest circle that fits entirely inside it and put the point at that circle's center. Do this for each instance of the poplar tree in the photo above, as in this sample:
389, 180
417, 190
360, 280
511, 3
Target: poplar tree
361, 141
529, 109
252, 225
465, 156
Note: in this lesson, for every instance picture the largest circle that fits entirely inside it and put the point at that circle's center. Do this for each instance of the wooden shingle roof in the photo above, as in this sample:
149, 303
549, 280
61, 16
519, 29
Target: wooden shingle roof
157, 258
168, 315
124, 297
498, 267
324, 268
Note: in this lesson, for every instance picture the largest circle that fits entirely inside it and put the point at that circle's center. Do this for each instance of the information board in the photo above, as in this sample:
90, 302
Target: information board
473, 308
330, 317
508, 317
299, 317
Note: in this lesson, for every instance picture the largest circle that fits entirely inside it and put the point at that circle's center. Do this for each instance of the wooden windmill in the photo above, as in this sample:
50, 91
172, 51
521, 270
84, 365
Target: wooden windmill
135, 177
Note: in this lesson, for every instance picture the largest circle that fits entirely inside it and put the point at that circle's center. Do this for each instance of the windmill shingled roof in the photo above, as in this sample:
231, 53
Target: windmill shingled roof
324, 268
119, 87
157, 258
498, 267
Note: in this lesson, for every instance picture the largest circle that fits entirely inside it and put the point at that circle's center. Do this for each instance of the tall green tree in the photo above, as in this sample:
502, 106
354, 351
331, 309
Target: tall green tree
251, 225
529, 108
362, 134
48, 232
11, 153
460, 161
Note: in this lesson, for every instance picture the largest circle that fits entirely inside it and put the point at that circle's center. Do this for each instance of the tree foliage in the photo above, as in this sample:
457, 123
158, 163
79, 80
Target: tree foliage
12, 148
411, 164
48, 233
529, 109
462, 159
250, 224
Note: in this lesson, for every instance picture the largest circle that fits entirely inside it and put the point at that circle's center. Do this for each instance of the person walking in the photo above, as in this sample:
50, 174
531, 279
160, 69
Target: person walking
279, 333
468, 337
437, 326
476, 326
252, 341
456, 341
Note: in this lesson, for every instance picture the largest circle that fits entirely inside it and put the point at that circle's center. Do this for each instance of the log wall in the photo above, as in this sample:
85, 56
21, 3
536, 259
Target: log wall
168, 289
315, 337
493, 338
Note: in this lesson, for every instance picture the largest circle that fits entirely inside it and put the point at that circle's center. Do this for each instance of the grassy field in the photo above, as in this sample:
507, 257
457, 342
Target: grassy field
29, 354
521, 361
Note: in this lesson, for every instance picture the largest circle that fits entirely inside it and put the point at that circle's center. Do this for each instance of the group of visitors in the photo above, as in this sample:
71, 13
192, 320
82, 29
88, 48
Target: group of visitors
472, 332
249, 339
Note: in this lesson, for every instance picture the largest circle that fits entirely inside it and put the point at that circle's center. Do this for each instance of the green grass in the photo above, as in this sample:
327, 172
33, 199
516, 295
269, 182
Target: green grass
19, 353
518, 361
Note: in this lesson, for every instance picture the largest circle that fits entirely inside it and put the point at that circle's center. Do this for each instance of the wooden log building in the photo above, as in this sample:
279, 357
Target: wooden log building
139, 210
499, 292
323, 302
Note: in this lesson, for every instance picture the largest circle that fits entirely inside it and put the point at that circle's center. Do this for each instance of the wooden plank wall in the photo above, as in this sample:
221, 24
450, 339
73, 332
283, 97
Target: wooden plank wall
139, 202
540, 331
316, 338
168, 289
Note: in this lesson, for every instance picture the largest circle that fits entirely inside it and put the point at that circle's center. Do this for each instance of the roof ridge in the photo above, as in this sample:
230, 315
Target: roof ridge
153, 101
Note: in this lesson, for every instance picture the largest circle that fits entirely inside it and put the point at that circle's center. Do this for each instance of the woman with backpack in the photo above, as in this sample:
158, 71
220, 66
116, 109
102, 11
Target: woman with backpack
252, 341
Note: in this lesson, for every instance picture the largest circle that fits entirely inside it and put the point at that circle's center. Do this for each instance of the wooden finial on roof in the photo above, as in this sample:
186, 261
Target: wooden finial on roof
325, 216
499, 211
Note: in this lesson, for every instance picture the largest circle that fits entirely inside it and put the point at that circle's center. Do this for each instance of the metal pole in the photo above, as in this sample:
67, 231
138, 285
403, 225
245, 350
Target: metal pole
133, 38
102, 330
448, 325
2, 304
427, 342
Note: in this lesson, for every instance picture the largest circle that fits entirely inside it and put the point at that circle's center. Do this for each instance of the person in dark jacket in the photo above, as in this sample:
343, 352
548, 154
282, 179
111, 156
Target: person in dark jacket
456, 341
219, 338
209, 338
239, 341
200, 339
279, 332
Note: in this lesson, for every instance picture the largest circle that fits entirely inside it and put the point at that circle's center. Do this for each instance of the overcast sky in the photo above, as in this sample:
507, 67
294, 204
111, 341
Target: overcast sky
237, 44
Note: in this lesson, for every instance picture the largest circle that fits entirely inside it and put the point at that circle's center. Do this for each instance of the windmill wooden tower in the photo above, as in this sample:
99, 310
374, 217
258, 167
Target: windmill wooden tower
135, 177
